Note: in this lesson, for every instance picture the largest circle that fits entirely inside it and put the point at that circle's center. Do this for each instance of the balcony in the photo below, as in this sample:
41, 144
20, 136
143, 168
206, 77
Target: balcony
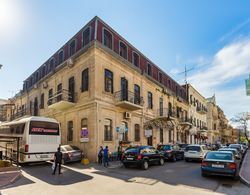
21, 112
62, 100
185, 121
201, 110
128, 100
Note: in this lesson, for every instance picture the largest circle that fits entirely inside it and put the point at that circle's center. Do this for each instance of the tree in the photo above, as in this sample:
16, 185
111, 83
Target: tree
241, 120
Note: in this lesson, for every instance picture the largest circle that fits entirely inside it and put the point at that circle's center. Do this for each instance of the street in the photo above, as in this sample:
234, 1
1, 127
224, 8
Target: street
173, 178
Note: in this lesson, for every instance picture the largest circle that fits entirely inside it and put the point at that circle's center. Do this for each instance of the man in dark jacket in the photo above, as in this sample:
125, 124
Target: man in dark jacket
58, 161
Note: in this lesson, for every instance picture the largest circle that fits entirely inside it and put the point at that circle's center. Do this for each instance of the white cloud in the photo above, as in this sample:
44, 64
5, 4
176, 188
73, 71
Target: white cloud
228, 64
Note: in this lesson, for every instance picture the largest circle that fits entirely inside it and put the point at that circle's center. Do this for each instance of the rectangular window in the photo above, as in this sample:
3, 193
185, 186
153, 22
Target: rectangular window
161, 135
70, 131
108, 130
59, 92
42, 101
72, 48
135, 59
85, 80
160, 77
60, 57
150, 100
108, 81
50, 96
86, 37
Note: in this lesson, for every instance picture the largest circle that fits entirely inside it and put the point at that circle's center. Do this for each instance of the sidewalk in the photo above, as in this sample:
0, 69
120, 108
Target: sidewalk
9, 175
245, 169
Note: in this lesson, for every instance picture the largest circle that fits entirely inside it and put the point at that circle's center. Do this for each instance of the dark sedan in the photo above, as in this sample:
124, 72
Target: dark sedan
220, 163
142, 157
171, 152
71, 153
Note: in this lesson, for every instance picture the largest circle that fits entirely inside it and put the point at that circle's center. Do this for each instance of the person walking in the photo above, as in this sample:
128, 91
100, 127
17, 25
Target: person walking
119, 152
106, 157
58, 161
100, 155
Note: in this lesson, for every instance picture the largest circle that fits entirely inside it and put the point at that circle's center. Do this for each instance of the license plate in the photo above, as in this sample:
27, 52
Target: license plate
130, 158
44, 156
217, 166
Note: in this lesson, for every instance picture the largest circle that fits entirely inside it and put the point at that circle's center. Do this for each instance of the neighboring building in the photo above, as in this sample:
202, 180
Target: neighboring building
198, 116
224, 127
235, 135
98, 83
6, 108
213, 121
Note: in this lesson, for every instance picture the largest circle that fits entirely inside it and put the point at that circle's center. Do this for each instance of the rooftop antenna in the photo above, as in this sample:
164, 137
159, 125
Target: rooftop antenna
185, 80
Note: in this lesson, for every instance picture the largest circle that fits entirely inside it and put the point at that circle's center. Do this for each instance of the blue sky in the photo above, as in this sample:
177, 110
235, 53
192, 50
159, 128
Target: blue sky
210, 36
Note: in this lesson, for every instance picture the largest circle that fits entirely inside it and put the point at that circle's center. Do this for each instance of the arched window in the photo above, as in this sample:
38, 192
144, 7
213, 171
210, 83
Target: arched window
85, 80
135, 59
84, 123
123, 50
72, 47
86, 37
107, 39
137, 132
60, 57
108, 134
149, 69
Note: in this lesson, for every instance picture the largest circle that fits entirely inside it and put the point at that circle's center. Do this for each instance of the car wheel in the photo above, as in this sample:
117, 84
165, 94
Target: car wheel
203, 174
126, 165
174, 158
161, 161
145, 165
187, 160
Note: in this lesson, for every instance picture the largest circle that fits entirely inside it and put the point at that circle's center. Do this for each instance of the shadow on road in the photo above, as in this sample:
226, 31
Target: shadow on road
178, 173
43, 172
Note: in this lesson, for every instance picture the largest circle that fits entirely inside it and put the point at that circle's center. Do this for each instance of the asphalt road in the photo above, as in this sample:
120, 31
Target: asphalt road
174, 178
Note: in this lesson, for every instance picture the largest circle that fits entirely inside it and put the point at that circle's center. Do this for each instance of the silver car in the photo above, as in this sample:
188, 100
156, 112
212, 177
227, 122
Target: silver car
71, 153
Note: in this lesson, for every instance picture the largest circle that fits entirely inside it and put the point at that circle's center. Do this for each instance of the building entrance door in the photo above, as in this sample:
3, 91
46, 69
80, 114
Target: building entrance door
150, 141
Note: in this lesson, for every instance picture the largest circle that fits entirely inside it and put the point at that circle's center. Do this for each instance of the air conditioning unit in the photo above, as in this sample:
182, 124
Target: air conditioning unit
45, 85
127, 115
70, 63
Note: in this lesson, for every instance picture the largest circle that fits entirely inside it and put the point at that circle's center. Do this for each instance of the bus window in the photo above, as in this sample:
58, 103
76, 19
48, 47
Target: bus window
43, 128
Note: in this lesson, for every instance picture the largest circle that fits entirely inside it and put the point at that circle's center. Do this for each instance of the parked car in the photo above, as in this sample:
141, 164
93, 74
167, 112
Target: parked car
236, 153
71, 153
183, 146
171, 152
142, 156
220, 163
195, 152
238, 146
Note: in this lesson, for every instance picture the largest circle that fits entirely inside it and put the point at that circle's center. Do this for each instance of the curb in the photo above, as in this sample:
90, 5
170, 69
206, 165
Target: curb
242, 179
13, 180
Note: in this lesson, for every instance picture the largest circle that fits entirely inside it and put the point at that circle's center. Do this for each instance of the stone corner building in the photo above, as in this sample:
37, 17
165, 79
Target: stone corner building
99, 82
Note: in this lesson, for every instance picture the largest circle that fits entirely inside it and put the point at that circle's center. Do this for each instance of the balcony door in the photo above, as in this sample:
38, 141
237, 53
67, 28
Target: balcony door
124, 89
71, 89
36, 107
161, 106
137, 94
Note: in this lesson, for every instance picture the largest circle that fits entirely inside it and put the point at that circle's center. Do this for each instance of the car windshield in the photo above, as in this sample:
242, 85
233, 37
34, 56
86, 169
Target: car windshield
164, 147
70, 148
183, 145
132, 151
233, 151
234, 146
193, 148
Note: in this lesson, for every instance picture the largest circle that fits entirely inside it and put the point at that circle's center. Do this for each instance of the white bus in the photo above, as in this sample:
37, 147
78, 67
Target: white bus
40, 138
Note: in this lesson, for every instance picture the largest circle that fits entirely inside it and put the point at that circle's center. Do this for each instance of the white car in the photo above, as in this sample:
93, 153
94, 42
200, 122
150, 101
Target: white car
195, 152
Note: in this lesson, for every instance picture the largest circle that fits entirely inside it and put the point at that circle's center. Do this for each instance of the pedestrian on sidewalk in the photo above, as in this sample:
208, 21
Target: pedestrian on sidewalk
58, 161
106, 157
119, 152
100, 155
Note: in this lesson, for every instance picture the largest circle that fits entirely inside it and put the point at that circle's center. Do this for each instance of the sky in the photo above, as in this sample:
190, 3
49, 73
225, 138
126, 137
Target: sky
211, 38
